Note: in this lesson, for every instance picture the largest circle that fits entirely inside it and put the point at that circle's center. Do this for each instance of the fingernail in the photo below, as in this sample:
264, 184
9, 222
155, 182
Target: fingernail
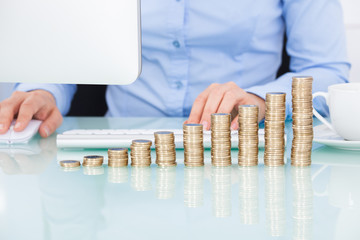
17, 125
47, 131
1, 126
233, 126
205, 125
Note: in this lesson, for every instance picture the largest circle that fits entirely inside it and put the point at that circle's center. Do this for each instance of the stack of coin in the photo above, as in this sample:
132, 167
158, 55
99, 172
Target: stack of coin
141, 153
220, 139
118, 157
193, 145
302, 121
248, 135
275, 129
93, 161
70, 165
165, 149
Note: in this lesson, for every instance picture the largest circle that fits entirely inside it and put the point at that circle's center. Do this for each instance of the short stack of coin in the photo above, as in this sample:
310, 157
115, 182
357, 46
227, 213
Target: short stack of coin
275, 129
140, 153
248, 135
302, 121
70, 165
118, 157
193, 145
93, 161
220, 139
165, 149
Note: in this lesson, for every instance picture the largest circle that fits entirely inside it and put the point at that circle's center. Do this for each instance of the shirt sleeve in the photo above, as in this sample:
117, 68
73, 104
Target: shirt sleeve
63, 93
316, 44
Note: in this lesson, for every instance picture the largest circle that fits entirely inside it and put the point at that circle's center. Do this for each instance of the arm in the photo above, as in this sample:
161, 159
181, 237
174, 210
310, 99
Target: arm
316, 46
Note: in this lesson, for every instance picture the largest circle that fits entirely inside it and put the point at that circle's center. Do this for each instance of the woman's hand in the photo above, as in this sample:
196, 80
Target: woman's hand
38, 104
223, 98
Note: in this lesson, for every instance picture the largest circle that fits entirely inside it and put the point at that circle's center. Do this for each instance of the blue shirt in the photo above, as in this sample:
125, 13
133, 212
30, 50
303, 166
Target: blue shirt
189, 44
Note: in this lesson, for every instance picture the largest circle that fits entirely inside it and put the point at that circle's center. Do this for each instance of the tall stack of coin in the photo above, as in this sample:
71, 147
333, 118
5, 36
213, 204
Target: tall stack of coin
93, 161
302, 121
220, 139
165, 149
275, 129
140, 153
118, 157
248, 135
193, 145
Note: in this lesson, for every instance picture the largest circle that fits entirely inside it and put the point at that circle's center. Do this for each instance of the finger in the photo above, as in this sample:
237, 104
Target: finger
235, 123
26, 112
211, 107
229, 102
229, 105
7, 114
8, 109
199, 104
51, 123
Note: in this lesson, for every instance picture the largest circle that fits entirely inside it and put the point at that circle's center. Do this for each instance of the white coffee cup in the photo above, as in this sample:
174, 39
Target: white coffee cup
344, 105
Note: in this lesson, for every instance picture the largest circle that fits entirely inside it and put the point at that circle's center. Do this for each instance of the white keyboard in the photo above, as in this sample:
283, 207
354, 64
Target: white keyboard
108, 138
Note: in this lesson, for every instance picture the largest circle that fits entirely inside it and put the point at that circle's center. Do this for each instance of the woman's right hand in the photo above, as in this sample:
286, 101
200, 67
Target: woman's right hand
37, 104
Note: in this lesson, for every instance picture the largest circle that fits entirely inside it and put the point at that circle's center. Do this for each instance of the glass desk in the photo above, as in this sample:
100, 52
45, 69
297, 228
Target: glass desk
39, 200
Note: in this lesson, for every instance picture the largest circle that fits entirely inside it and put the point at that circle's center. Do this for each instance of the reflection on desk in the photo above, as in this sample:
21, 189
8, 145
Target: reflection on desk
38, 200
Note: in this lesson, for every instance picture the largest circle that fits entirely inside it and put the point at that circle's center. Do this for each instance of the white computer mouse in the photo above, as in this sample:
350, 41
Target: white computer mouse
12, 137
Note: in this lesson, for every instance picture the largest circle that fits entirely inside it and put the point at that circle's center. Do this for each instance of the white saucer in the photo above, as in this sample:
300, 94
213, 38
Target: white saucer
324, 135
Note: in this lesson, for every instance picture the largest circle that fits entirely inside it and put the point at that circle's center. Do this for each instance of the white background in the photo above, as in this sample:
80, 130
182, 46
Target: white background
352, 22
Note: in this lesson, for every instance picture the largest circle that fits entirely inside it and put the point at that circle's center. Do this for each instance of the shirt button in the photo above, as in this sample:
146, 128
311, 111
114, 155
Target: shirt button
178, 85
176, 44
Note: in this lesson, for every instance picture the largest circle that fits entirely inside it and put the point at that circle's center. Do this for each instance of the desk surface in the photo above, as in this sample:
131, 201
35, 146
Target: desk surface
38, 200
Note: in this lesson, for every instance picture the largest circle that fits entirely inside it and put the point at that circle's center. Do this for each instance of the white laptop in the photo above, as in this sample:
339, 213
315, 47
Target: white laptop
70, 41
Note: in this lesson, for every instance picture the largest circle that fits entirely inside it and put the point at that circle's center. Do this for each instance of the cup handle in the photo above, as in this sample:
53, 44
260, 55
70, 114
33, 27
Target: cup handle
317, 115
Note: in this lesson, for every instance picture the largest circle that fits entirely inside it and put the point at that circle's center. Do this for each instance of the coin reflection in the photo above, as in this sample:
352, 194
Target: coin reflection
275, 200
249, 194
118, 174
165, 184
193, 186
141, 178
221, 191
302, 202
92, 171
